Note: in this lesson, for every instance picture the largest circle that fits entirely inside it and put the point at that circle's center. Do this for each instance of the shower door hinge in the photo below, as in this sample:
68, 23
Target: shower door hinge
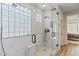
57, 13
57, 45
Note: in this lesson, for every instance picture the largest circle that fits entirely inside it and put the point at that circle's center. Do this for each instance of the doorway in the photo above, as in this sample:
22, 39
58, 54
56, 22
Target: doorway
73, 29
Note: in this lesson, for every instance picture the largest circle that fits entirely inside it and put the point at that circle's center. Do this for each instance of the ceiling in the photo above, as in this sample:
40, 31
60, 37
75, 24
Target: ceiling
66, 7
40, 6
73, 17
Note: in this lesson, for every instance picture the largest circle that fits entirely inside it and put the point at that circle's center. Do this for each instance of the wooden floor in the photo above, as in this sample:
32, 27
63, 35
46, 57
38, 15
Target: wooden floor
70, 50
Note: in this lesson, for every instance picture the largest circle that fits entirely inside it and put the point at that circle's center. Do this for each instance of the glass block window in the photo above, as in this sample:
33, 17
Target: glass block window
16, 20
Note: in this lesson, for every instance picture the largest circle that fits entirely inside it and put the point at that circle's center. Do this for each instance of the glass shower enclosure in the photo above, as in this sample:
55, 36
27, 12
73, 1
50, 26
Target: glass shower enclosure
55, 33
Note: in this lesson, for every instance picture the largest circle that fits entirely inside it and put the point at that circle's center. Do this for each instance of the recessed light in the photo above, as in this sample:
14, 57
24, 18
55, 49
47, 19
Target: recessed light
44, 5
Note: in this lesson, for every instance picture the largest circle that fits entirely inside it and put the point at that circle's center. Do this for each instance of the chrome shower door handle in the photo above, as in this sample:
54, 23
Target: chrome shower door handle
33, 38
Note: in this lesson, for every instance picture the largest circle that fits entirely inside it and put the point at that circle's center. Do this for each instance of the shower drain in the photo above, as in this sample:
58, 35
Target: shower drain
44, 49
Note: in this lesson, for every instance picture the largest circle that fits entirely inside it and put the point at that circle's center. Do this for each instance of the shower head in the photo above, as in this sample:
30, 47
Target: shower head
53, 9
14, 5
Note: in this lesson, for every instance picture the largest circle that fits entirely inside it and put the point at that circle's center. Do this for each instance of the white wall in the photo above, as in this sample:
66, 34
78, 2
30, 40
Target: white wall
60, 27
64, 30
17, 45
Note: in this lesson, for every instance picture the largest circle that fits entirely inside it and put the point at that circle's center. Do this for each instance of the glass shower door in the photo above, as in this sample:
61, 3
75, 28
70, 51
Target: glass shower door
0, 20
0, 28
1, 52
55, 31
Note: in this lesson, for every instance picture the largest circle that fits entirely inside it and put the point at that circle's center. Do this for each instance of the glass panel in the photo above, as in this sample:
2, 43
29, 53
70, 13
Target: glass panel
18, 6
4, 18
0, 20
21, 25
4, 7
17, 11
11, 29
16, 33
5, 24
11, 24
11, 9
21, 8
21, 29
4, 12
4, 35
11, 34
16, 20
11, 19
38, 17
16, 25
5, 29
16, 29
21, 33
